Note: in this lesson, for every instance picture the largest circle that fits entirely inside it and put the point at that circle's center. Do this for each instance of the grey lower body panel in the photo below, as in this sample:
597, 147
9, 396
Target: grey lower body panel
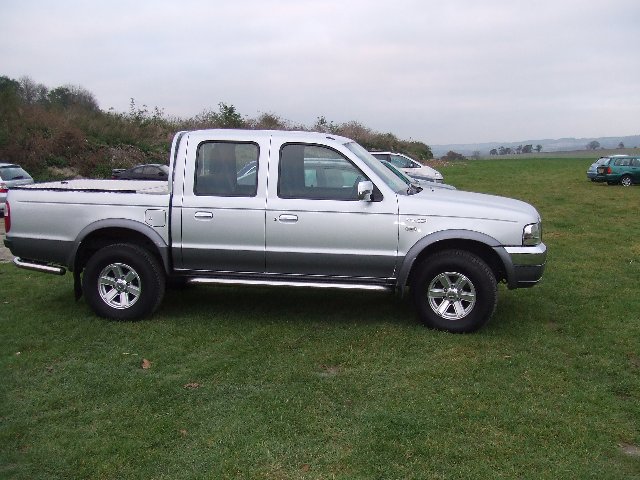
525, 265
50, 251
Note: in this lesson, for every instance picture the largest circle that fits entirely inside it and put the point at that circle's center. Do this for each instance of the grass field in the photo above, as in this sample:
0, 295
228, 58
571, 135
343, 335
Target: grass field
289, 384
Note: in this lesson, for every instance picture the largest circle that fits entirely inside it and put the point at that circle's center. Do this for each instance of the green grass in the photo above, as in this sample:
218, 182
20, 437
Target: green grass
280, 384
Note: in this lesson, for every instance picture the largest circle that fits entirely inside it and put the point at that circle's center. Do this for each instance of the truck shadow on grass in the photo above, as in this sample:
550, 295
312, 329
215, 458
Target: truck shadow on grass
260, 304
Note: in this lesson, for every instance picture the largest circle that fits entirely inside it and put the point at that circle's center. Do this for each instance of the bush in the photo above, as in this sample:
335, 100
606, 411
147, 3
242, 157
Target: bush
64, 129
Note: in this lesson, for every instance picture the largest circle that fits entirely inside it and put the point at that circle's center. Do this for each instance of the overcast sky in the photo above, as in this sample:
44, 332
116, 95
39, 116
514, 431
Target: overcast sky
455, 71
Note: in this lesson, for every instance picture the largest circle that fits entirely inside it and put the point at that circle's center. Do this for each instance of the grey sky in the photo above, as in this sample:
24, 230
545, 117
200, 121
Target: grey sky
456, 71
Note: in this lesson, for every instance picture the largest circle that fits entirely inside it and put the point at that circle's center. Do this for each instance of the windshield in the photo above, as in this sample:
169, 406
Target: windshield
13, 172
392, 181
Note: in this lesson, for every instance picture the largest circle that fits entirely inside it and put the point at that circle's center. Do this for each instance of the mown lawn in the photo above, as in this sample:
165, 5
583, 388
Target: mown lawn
280, 384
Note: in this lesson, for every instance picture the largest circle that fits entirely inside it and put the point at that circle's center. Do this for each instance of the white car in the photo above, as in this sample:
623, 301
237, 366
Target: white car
409, 166
11, 175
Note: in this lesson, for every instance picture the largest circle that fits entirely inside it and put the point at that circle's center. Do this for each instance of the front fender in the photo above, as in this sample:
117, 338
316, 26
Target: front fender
406, 264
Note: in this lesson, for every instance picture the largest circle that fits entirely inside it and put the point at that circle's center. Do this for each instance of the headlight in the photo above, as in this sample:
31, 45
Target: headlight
532, 234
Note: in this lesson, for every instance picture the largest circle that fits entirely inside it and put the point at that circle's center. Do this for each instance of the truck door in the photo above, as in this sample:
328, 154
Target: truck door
223, 208
315, 224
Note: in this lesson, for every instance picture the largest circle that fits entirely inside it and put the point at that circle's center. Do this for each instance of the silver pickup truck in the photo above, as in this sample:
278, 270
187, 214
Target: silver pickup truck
283, 208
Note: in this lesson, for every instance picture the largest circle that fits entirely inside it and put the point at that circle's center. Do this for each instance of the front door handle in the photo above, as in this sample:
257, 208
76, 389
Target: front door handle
288, 218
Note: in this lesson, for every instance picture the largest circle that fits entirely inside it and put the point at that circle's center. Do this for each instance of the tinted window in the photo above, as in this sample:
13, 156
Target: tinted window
622, 162
635, 162
402, 162
13, 172
220, 167
381, 156
315, 172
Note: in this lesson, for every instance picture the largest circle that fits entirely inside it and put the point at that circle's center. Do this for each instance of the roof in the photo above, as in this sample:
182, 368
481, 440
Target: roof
302, 136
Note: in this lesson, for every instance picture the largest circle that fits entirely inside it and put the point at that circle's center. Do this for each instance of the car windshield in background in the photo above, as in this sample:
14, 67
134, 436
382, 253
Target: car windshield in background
151, 171
13, 173
386, 175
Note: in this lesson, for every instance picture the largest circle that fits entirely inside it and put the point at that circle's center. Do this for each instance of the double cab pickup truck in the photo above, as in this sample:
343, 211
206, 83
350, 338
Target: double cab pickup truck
277, 208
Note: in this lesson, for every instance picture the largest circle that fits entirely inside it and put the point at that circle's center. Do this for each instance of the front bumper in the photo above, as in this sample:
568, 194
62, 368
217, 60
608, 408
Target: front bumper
526, 265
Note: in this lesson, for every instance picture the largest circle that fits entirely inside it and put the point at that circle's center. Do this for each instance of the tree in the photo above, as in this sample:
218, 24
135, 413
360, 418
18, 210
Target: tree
493, 152
33, 93
621, 145
593, 145
538, 148
452, 156
226, 117
324, 126
416, 149
72, 96
270, 121
527, 149
229, 117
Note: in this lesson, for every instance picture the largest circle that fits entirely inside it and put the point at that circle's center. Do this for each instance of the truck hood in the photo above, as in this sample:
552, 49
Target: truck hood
457, 203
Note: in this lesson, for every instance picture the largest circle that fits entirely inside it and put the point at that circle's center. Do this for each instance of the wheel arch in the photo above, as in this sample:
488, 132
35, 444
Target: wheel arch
108, 232
480, 244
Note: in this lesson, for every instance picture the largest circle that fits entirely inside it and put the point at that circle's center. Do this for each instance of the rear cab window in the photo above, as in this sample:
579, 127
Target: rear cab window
226, 169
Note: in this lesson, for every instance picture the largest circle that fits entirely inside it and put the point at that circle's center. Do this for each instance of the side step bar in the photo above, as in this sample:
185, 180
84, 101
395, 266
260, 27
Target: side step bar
265, 282
38, 267
291, 283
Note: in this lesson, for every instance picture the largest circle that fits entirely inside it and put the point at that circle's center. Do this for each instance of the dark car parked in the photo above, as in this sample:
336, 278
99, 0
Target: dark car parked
152, 171
624, 170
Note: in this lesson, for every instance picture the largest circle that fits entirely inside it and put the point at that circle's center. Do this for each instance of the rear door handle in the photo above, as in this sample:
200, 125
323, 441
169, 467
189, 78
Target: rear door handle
203, 215
288, 218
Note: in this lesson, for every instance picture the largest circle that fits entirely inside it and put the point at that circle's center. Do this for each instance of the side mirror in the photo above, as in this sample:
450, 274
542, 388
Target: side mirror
365, 190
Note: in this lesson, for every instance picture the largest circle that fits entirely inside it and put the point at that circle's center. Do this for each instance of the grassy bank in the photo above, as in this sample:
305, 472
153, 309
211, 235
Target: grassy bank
279, 384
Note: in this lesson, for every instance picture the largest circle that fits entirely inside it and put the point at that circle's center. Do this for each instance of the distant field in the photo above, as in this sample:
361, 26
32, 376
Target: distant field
594, 154
295, 384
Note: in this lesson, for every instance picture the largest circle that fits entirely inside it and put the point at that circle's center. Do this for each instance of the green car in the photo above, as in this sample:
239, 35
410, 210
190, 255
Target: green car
620, 169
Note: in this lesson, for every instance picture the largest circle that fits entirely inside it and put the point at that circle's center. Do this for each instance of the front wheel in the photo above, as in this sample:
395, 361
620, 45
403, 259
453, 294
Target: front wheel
626, 181
123, 282
454, 290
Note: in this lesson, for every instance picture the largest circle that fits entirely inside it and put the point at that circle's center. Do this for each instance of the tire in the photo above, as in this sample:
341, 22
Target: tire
123, 282
626, 181
455, 291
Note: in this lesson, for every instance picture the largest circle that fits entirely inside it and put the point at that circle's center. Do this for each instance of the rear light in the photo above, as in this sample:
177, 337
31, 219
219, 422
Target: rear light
7, 218
3, 188
609, 171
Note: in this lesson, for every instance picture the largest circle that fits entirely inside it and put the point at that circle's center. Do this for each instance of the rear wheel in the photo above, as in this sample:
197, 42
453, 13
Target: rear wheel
626, 181
454, 290
123, 282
